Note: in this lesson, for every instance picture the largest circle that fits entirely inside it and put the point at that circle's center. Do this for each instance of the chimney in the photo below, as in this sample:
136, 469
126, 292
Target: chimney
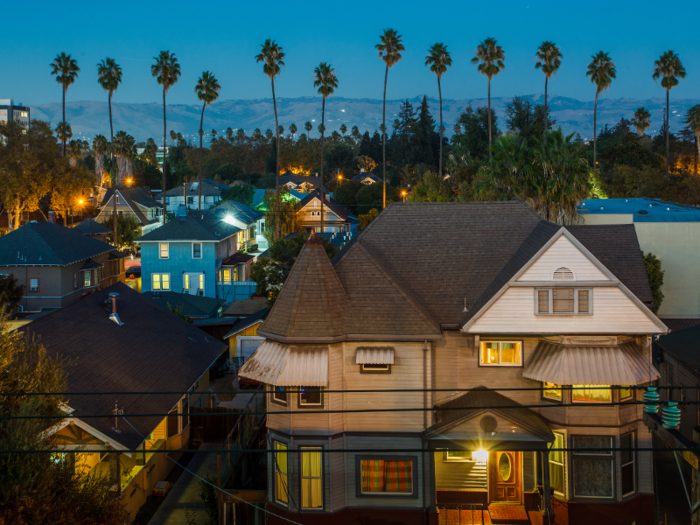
115, 316
52, 216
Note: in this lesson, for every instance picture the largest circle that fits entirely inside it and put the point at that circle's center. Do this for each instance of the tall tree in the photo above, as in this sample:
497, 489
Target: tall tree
167, 72
389, 48
272, 57
207, 90
602, 71
439, 60
669, 68
641, 121
65, 69
99, 146
490, 57
326, 82
549, 61
692, 118
293, 129
64, 130
75, 152
109, 76
308, 127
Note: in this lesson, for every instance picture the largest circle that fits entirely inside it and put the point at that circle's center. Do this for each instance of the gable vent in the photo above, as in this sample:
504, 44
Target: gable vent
563, 274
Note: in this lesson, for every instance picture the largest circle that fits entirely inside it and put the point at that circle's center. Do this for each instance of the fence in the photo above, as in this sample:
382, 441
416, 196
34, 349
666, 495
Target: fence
244, 429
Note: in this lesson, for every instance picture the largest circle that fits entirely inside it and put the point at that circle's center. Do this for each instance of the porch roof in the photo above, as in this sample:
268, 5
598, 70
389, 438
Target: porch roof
279, 364
622, 364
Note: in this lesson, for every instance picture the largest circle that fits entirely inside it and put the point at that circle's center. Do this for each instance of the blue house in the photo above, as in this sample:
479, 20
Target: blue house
189, 255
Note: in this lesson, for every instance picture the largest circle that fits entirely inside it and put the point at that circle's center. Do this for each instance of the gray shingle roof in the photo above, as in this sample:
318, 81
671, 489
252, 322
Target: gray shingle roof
49, 244
91, 227
299, 179
153, 351
333, 204
209, 187
196, 226
134, 197
192, 305
239, 211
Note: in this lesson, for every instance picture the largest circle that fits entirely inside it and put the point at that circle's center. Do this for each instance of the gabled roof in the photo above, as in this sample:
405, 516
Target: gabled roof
366, 174
153, 351
134, 198
48, 244
209, 187
238, 211
195, 226
192, 305
299, 179
340, 210
237, 258
91, 227
247, 322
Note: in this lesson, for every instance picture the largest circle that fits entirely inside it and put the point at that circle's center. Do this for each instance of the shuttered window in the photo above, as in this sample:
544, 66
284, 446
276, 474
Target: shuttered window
582, 301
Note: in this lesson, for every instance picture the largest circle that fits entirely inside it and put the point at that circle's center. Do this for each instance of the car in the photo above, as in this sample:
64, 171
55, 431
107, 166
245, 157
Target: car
133, 272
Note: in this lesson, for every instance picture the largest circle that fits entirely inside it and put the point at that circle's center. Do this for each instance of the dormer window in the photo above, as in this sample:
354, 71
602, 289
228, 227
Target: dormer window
563, 301
563, 274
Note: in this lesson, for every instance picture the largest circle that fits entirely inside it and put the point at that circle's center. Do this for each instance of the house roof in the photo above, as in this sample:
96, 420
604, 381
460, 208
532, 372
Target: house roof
134, 198
192, 305
680, 324
642, 209
260, 195
48, 244
239, 211
683, 344
237, 258
90, 265
91, 227
195, 226
209, 187
365, 174
245, 307
333, 204
299, 179
247, 322
152, 351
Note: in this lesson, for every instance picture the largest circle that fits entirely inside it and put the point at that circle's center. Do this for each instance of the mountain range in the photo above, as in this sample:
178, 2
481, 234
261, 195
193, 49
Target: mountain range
143, 121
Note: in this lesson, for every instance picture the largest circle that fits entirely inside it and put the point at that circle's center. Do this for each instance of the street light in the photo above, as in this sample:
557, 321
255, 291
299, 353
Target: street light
404, 193
128, 182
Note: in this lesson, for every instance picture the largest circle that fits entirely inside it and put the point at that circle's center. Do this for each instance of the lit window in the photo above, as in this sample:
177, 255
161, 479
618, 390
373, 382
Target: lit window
379, 476
626, 393
458, 455
197, 250
551, 391
311, 478
201, 284
310, 396
156, 281
591, 394
161, 281
165, 278
186, 283
164, 250
557, 460
501, 353
88, 276
226, 275
563, 301
281, 474
627, 463
33, 285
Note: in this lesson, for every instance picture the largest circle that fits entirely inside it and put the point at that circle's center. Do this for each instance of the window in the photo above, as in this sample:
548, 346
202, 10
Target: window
310, 396
458, 455
386, 476
186, 411
164, 250
626, 393
88, 275
563, 301
33, 285
373, 367
173, 423
593, 469
551, 391
501, 353
186, 283
311, 478
190, 200
281, 473
161, 281
226, 273
591, 394
279, 395
196, 250
201, 284
557, 460
627, 463
75, 281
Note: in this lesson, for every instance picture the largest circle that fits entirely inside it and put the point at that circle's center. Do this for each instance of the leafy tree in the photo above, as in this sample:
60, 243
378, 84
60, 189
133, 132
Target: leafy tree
432, 188
629, 152
343, 129
326, 82
641, 121
346, 193
207, 90
368, 217
692, 118
602, 71
243, 193
656, 279
475, 126
669, 68
128, 230
286, 210
439, 59
390, 48
11, 293
371, 196
490, 57
65, 69
526, 119
100, 146
426, 147
549, 61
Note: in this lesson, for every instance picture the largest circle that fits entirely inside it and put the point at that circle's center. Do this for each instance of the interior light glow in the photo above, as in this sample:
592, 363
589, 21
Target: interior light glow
480, 456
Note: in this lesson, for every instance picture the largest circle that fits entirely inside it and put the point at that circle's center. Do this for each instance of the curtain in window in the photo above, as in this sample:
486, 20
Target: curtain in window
593, 476
281, 474
311, 486
387, 476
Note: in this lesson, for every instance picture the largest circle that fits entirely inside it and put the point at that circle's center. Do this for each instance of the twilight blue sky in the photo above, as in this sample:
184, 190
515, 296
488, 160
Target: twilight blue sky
224, 37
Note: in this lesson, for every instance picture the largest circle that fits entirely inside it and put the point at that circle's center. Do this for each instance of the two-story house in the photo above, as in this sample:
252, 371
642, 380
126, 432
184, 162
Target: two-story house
477, 359
57, 265
336, 218
188, 195
134, 202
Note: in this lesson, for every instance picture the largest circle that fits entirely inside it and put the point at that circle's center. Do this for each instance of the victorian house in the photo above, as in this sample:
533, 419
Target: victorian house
461, 357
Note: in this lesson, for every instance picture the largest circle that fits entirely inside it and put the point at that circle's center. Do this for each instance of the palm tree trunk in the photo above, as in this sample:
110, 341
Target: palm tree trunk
595, 112
667, 130
546, 80
112, 178
440, 159
165, 156
277, 163
201, 154
386, 76
64, 121
490, 139
323, 132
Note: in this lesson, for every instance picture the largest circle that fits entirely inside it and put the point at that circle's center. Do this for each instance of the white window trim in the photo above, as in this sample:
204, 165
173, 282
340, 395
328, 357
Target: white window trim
551, 312
610, 457
160, 252
201, 248
161, 282
284, 402
520, 364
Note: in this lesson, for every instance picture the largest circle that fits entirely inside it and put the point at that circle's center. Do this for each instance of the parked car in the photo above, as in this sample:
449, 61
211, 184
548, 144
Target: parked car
133, 272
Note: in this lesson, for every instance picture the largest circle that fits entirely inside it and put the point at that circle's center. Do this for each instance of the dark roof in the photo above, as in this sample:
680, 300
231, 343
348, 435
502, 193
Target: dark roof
209, 187
134, 197
49, 244
333, 204
366, 174
91, 227
468, 405
245, 307
116, 255
192, 305
90, 265
247, 322
680, 324
239, 211
299, 179
237, 258
684, 345
153, 351
195, 226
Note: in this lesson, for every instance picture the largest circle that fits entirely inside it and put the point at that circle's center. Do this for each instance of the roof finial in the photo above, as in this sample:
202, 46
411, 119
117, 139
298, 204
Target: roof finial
313, 238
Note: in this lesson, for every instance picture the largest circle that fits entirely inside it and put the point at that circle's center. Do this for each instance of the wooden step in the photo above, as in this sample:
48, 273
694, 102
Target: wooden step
508, 514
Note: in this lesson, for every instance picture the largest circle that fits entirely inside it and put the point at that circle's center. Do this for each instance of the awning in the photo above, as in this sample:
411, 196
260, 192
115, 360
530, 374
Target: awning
286, 365
375, 355
623, 364
90, 265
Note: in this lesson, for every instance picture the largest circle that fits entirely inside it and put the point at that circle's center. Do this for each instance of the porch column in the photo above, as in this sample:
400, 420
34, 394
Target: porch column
547, 514
114, 473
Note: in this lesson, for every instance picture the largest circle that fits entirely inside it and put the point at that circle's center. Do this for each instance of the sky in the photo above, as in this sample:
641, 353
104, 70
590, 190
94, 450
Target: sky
224, 37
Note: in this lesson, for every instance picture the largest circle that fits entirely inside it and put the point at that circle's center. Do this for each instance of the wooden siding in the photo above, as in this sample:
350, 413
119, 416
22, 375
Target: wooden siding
335, 382
233, 340
460, 475
337, 474
563, 253
613, 313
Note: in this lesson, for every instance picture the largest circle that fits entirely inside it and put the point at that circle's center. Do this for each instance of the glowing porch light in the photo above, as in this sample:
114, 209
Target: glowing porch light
480, 456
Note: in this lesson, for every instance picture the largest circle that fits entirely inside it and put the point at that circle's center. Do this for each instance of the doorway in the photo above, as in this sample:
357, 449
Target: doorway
505, 482
193, 283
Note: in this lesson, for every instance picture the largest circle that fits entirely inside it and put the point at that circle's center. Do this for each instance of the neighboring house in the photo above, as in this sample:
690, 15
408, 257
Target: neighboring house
186, 255
143, 348
259, 196
57, 265
243, 339
192, 306
669, 231
136, 202
211, 195
250, 221
367, 177
336, 217
300, 183
93, 229
339, 239
245, 307
461, 299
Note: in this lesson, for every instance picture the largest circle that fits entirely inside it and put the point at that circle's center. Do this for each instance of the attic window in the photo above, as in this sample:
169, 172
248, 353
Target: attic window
563, 274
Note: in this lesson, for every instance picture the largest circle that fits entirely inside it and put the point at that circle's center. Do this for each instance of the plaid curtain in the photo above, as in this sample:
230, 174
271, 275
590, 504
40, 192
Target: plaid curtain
398, 476
387, 476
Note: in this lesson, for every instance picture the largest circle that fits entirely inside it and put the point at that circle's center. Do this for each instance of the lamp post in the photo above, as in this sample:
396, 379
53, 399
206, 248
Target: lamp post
404, 194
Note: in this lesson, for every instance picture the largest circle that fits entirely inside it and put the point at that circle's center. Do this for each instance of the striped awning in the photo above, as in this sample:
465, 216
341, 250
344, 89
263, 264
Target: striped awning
623, 364
375, 355
279, 364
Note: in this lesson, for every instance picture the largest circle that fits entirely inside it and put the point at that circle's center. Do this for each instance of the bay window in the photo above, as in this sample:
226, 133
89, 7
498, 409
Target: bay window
591, 394
551, 391
557, 462
279, 395
311, 478
593, 468
627, 463
385, 476
281, 473
310, 396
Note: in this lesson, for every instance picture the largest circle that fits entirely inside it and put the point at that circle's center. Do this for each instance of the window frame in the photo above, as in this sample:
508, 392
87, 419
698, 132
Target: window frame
519, 342
358, 476
576, 290
87, 278
167, 250
304, 406
38, 285
633, 463
275, 490
75, 281
563, 464
552, 399
311, 448
364, 370
200, 250
629, 398
274, 398
610, 456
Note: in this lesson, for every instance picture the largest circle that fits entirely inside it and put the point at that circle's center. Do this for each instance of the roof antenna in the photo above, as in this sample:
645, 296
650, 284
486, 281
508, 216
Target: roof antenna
465, 306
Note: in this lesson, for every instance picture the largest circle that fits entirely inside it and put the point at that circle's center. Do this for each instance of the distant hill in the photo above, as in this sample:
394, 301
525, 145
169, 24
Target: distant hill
145, 120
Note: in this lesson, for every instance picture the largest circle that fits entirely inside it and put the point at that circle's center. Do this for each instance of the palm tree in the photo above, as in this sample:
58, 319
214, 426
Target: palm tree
272, 57
207, 90
65, 69
602, 72
121, 147
293, 130
389, 48
490, 57
308, 127
166, 71
669, 67
326, 82
343, 129
439, 60
64, 130
641, 121
99, 146
75, 151
548, 60
692, 118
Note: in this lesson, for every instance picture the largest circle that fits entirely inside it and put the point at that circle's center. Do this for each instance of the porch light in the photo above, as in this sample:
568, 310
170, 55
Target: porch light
228, 219
480, 456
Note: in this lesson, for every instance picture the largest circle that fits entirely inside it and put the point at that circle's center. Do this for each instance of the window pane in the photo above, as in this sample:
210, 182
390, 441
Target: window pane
459, 454
227, 276
310, 398
628, 479
201, 281
187, 282
626, 441
510, 353
583, 301
156, 281
172, 423
625, 393
386, 476
593, 477
551, 391
280, 395
311, 484
164, 250
543, 301
563, 300
489, 353
281, 473
166, 281
591, 394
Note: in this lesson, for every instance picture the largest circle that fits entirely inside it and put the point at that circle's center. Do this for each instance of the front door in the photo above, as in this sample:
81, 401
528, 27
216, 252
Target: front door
504, 476
193, 283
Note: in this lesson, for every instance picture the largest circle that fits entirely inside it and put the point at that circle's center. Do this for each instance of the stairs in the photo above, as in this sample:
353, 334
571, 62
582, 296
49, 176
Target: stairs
495, 515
